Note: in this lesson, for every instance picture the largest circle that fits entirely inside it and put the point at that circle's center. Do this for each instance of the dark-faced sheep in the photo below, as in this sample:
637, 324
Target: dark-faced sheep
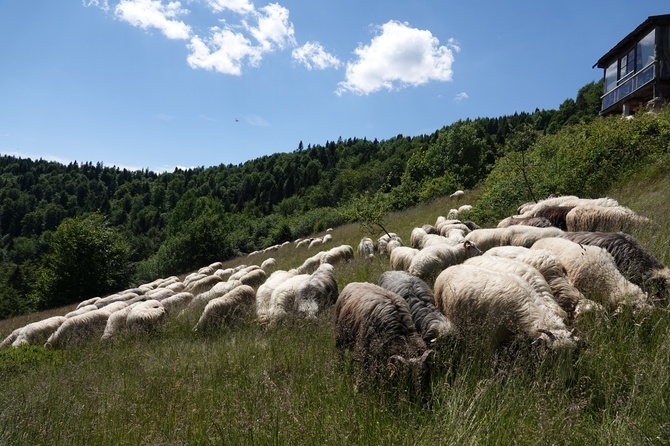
376, 327
429, 321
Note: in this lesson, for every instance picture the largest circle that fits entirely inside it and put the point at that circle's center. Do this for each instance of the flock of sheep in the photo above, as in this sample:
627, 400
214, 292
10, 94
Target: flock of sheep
528, 278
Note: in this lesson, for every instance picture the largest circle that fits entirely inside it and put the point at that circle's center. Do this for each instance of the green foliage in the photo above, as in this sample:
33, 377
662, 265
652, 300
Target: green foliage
88, 258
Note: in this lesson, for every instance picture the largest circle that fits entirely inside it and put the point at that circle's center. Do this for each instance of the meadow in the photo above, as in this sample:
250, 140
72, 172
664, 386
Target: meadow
289, 385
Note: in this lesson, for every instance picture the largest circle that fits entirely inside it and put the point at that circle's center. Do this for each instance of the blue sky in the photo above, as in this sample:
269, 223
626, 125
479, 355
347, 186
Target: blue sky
162, 84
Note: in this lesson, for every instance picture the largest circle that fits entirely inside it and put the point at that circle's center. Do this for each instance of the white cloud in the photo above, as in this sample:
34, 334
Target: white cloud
460, 97
237, 6
147, 14
274, 28
224, 52
313, 56
102, 4
399, 56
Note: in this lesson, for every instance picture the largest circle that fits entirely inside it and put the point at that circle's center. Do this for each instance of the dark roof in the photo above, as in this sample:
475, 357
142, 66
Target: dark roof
632, 38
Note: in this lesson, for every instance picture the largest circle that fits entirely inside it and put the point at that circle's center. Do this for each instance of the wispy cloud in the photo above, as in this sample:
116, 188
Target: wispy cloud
313, 56
397, 57
460, 97
207, 118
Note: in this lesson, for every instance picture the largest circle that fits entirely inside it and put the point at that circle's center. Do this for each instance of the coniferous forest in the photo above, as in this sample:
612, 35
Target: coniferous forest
70, 232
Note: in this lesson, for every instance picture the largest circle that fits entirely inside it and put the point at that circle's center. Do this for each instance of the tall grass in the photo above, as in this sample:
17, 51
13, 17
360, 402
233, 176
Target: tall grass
288, 384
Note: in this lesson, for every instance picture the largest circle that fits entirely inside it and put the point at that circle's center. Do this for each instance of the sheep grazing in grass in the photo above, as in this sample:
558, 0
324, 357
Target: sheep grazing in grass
496, 308
605, 219
81, 310
458, 194
176, 303
416, 237
224, 274
282, 300
532, 209
542, 293
375, 325
317, 241
303, 243
592, 271
401, 258
384, 240
342, 253
201, 285
553, 271
264, 292
632, 260
269, 264
146, 317
538, 222
199, 301
160, 293
36, 333
517, 235
116, 323
431, 261
311, 263
366, 248
429, 321
7, 342
90, 301
226, 309
253, 278
78, 329
317, 293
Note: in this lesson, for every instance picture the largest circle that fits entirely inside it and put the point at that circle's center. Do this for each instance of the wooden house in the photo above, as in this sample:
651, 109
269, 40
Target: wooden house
637, 69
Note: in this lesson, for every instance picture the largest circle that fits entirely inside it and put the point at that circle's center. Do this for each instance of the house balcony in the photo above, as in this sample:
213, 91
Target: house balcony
627, 87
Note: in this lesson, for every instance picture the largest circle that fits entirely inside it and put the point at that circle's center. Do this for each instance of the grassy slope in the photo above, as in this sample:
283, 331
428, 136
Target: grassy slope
288, 385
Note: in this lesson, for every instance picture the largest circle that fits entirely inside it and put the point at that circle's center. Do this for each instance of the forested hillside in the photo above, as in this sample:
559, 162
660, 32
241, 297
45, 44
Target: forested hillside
71, 232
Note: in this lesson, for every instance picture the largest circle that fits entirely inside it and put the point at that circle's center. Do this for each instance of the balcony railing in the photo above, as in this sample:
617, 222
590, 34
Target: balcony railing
628, 87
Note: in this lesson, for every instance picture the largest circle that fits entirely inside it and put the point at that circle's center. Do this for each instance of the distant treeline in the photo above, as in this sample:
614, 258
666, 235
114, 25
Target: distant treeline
169, 223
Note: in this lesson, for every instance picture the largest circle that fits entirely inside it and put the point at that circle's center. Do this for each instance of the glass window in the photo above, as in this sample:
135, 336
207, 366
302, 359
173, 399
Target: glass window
610, 77
645, 51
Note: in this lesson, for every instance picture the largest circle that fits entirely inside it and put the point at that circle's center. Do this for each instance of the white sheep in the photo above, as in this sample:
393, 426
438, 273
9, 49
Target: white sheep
430, 261
319, 291
311, 263
146, 316
264, 292
254, 278
605, 219
317, 241
549, 265
282, 300
486, 239
160, 293
532, 209
81, 310
497, 307
78, 329
303, 243
36, 333
199, 301
458, 194
269, 264
177, 302
366, 248
542, 294
90, 301
342, 253
401, 258
416, 238
592, 271
116, 323
225, 309
7, 342
224, 274
201, 285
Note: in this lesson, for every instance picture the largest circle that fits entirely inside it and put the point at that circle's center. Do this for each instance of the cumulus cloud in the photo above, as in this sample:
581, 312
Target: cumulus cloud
397, 57
148, 14
237, 6
460, 97
224, 51
313, 56
274, 28
102, 4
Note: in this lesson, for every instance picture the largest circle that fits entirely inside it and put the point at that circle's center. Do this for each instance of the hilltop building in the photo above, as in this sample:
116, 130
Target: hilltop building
637, 69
